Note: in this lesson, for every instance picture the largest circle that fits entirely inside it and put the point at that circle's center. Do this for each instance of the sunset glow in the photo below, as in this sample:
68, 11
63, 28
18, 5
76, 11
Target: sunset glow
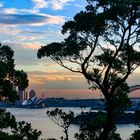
26, 27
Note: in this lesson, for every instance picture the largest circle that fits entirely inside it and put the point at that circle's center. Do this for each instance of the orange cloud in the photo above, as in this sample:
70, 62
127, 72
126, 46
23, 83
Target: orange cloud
65, 84
31, 46
70, 93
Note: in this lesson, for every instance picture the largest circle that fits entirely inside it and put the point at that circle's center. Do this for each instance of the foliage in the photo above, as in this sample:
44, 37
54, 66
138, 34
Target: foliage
24, 130
21, 79
3, 70
91, 132
135, 135
19, 130
6, 136
7, 91
6, 120
137, 116
91, 129
6, 56
9, 76
62, 119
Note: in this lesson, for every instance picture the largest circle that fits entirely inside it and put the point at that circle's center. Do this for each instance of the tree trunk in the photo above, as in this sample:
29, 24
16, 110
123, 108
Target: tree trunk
109, 124
66, 133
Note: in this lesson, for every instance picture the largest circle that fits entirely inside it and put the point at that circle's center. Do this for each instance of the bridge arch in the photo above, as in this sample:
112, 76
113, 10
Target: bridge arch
133, 88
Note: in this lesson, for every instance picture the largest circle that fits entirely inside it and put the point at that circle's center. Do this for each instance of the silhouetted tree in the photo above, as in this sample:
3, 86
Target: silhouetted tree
8, 92
23, 130
3, 70
103, 43
6, 56
91, 131
62, 119
19, 130
21, 80
137, 116
6, 74
6, 120
136, 134
9, 76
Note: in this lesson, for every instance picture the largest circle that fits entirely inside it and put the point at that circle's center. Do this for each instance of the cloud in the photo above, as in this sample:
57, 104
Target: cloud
31, 46
1, 4
60, 84
7, 31
58, 80
30, 19
40, 4
53, 4
65, 84
9, 10
134, 78
15, 10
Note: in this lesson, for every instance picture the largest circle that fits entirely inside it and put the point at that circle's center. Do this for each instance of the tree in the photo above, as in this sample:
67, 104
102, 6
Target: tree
6, 56
62, 119
3, 70
9, 76
2, 76
23, 130
21, 80
136, 134
137, 116
91, 131
7, 72
90, 128
19, 130
8, 92
103, 43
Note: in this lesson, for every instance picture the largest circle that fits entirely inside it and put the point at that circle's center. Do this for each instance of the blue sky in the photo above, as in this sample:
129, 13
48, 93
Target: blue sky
25, 25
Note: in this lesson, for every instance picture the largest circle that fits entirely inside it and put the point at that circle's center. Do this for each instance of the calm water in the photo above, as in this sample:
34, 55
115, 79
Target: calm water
39, 120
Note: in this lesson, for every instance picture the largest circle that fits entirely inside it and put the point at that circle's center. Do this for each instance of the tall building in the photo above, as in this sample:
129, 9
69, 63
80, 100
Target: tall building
43, 96
20, 94
26, 95
32, 93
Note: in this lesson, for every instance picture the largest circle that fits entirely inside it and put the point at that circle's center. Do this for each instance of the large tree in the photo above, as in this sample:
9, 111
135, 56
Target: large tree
9, 77
103, 43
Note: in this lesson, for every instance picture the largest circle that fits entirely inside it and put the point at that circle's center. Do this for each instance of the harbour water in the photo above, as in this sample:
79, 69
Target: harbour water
40, 121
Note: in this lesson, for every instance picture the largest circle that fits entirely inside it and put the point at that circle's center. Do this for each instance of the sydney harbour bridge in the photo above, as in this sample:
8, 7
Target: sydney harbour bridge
133, 88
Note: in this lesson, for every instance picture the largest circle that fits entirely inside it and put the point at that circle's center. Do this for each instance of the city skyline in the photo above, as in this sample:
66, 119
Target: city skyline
26, 26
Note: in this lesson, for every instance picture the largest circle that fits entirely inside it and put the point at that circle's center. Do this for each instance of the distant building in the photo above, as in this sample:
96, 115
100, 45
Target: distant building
20, 94
26, 95
32, 93
43, 96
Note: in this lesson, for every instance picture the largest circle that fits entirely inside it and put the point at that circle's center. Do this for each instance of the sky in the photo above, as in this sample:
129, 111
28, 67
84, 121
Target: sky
27, 25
